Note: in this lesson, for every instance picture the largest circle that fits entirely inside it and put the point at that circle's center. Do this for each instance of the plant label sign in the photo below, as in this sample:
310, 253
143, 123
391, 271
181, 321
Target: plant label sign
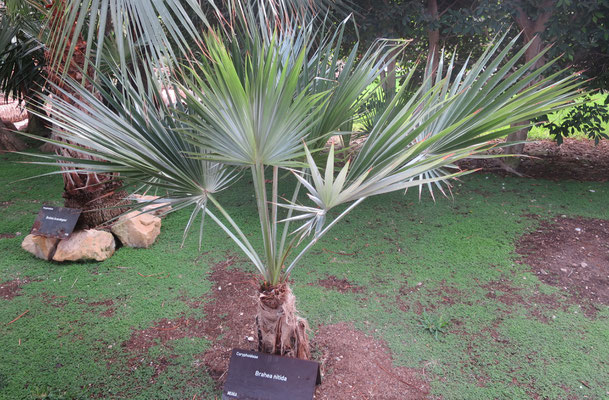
259, 376
57, 222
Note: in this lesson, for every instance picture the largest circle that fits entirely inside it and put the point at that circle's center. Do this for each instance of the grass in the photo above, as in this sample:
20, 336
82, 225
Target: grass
408, 256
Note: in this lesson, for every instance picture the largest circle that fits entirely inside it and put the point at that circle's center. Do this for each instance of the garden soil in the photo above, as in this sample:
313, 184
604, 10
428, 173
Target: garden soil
575, 159
354, 365
11, 289
573, 255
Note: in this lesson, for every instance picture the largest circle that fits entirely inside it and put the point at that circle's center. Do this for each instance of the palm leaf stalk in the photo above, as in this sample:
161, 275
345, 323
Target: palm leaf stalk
259, 112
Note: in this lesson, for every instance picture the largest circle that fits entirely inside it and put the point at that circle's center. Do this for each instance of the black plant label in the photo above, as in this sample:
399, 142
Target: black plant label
259, 376
57, 222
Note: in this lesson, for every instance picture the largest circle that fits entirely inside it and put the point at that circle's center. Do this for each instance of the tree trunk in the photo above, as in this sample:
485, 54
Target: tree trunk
433, 35
388, 78
280, 330
97, 195
532, 30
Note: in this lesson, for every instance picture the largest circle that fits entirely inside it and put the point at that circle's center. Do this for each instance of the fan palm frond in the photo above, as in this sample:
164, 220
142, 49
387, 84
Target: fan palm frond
250, 111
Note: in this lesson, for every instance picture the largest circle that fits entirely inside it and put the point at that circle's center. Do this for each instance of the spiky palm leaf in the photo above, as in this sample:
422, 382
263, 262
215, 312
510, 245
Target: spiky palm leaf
21, 53
252, 110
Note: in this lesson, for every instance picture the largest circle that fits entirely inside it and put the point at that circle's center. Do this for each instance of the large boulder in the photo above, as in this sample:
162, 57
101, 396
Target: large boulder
40, 246
137, 230
89, 244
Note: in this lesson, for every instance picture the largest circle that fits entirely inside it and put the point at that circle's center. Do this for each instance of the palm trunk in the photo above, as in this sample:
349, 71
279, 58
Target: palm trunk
97, 195
280, 330
389, 79
11, 111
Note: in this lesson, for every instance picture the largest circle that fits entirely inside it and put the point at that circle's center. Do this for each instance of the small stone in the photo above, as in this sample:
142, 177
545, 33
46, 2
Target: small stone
583, 264
250, 338
564, 270
592, 191
578, 229
219, 287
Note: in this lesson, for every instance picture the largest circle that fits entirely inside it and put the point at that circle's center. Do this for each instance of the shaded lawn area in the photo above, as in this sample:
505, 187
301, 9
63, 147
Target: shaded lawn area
391, 264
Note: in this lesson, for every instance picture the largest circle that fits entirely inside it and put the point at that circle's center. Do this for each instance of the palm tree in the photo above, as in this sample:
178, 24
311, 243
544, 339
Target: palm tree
76, 37
21, 66
262, 99
79, 36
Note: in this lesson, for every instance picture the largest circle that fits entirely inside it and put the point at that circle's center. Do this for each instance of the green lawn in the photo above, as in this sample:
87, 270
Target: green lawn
64, 348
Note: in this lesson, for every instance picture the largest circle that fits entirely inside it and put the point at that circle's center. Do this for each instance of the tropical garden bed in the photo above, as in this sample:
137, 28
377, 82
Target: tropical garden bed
482, 272
227, 119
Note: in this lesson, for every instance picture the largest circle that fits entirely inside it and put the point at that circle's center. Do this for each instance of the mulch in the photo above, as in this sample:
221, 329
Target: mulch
357, 366
11, 289
571, 254
340, 285
575, 159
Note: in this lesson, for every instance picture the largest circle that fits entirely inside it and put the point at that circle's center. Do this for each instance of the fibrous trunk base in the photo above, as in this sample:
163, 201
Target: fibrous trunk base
99, 202
280, 330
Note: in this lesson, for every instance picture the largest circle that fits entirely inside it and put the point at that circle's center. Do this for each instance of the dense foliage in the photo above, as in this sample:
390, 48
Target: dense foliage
577, 30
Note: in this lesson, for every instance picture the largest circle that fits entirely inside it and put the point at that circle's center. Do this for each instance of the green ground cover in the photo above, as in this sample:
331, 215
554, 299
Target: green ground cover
407, 256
